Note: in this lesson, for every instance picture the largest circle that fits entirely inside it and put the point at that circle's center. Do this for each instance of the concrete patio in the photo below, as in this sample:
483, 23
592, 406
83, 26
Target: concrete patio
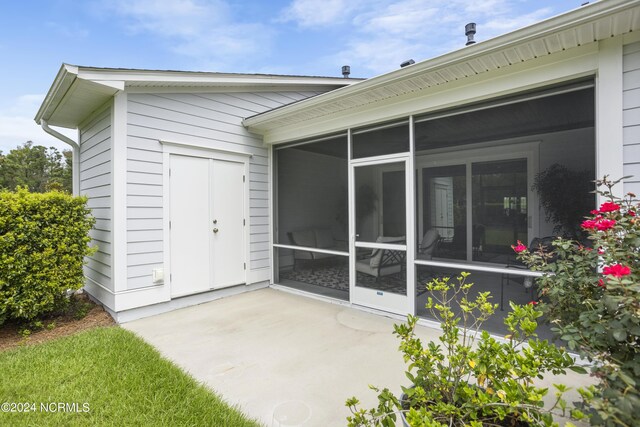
285, 359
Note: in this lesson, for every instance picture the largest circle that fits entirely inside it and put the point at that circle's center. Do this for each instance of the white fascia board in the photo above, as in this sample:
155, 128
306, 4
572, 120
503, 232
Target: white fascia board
61, 84
300, 87
131, 77
589, 13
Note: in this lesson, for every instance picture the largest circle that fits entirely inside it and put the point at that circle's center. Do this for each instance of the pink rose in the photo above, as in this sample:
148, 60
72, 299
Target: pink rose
519, 247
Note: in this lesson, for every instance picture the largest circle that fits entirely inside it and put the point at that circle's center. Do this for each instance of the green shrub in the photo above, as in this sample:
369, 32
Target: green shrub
469, 378
43, 241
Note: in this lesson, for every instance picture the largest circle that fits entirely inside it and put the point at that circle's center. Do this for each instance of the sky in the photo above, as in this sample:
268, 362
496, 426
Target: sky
300, 37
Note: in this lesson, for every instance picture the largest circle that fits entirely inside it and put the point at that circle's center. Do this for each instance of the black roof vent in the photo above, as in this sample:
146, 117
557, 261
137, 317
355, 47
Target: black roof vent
407, 63
470, 31
346, 70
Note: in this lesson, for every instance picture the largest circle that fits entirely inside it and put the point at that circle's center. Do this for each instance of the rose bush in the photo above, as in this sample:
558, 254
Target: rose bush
591, 294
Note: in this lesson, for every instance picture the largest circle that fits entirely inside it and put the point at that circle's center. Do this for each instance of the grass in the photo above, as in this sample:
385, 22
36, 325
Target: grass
121, 378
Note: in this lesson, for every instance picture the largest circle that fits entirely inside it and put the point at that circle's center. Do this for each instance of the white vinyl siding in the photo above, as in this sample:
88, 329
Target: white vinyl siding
631, 116
207, 119
95, 184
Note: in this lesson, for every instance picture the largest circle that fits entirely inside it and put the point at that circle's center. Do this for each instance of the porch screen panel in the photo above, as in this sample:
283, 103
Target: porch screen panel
380, 202
379, 141
510, 286
312, 214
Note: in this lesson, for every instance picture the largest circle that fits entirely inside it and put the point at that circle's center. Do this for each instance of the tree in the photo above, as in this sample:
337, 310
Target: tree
36, 167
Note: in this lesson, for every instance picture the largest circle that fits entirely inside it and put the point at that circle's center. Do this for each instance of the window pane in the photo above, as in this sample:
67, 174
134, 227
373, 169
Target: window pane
499, 208
444, 212
378, 142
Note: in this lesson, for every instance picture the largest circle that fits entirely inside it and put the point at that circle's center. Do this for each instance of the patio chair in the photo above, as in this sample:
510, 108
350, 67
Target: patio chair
383, 262
428, 244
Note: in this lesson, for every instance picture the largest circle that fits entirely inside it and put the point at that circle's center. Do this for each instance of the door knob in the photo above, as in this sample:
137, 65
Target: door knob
215, 221
215, 230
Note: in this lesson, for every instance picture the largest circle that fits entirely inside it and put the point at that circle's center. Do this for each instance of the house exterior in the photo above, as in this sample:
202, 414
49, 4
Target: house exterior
205, 184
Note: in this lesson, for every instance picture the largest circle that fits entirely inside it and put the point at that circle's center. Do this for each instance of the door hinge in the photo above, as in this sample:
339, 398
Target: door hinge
169, 171
170, 277
244, 177
169, 225
245, 265
244, 221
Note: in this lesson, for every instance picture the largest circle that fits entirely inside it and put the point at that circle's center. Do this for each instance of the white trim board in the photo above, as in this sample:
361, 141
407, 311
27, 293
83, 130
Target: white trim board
202, 150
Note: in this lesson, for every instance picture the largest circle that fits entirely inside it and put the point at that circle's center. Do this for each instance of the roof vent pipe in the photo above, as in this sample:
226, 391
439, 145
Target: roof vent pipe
407, 63
470, 31
346, 70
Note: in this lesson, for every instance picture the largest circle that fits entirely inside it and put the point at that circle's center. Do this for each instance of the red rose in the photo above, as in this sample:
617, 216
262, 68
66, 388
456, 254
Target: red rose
601, 283
605, 224
533, 303
609, 207
589, 224
519, 247
616, 270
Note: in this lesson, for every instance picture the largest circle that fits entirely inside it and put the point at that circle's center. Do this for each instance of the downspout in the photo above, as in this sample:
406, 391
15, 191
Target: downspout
75, 170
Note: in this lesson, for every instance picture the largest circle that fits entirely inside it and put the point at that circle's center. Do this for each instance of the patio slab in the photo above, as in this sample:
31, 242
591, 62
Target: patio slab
285, 359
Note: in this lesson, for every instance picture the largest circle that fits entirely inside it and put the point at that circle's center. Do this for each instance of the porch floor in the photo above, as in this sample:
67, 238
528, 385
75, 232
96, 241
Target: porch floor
286, 359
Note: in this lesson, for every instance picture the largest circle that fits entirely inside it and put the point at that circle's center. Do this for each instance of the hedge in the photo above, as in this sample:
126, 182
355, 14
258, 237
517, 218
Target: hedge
44, 238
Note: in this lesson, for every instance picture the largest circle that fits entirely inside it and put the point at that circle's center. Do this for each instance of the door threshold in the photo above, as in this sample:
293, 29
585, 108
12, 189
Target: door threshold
307, 294
344, 303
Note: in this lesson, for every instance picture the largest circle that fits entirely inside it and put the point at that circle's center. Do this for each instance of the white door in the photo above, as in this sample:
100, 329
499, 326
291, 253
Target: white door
227, 244
207, 224
189, 225
379, 269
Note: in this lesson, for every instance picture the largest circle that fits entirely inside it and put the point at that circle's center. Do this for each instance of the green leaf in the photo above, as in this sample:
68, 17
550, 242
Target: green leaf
578, 369
620, 334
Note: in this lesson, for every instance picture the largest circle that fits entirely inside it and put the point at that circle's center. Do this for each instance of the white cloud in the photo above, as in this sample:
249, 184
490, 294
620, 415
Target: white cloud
201, 29
17, 125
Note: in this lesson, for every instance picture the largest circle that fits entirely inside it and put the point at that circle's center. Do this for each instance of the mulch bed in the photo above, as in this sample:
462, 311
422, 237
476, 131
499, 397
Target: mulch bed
64, 325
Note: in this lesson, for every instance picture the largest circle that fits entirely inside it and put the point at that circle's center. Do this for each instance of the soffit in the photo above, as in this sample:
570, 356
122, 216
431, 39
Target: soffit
589, 24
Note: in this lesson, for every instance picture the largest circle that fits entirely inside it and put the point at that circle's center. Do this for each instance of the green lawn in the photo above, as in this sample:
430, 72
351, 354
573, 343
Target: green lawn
114, 375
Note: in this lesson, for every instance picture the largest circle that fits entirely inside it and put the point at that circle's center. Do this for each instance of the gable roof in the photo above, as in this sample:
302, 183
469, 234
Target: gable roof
78, 91
587, 24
